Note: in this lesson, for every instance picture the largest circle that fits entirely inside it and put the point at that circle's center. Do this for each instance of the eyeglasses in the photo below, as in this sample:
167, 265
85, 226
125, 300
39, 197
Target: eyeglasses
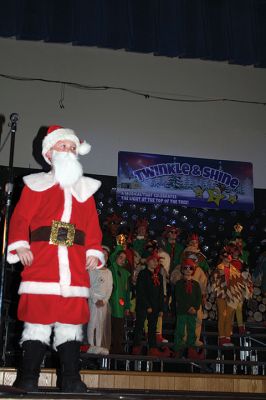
188, 267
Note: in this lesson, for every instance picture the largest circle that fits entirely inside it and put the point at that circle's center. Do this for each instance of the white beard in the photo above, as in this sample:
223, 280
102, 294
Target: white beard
67, 168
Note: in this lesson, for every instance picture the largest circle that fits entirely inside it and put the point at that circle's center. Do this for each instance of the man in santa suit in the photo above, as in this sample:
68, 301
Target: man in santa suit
55, 233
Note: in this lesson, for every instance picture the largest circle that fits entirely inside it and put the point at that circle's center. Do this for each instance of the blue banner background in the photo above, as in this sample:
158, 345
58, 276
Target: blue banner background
184, 181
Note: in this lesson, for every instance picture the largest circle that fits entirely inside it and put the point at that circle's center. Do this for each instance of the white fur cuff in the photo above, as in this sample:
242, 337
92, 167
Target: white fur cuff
98, 254
14, 258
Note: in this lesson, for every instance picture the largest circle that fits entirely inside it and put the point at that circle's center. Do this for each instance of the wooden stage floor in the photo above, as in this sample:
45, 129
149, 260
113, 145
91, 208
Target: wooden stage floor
145, 385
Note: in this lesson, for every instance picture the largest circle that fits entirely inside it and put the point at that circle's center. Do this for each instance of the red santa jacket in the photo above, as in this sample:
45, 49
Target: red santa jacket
56, 270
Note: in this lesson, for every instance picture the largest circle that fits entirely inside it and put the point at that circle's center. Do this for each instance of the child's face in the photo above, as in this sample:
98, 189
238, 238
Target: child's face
141, 231
152, 264
194, 243
121, 259
113, 227
227, 258
172, 234
187, 271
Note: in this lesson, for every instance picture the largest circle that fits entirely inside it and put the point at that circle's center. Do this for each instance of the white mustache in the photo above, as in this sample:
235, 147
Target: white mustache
67, 168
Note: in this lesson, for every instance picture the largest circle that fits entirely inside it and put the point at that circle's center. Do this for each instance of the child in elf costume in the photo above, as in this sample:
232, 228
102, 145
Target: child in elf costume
201, 275
164, 261
140, 238
110, 230
149, 304
172, 246
188, 300
120, 298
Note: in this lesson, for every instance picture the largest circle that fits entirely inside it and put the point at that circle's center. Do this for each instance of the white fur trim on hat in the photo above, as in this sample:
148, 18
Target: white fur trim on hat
63, 134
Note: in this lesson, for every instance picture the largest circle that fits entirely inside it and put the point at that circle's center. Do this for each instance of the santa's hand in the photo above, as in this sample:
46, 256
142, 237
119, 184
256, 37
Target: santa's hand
91, 262
25, 256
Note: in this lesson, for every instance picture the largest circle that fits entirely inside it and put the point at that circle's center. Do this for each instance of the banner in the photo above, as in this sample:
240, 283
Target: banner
184, 181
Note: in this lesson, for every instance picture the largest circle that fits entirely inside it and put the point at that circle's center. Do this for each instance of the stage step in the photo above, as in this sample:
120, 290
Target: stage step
121, 380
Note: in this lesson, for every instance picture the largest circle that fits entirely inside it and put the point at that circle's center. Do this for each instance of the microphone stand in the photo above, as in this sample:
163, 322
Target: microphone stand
4, 389
8, 198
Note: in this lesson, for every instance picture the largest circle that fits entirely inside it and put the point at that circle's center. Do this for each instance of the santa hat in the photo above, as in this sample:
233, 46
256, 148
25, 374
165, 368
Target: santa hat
194, 237
170, 228
56, 133
190, 262
113, 219
142, 222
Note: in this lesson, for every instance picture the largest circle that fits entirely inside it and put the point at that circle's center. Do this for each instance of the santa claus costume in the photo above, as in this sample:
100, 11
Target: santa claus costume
58, 222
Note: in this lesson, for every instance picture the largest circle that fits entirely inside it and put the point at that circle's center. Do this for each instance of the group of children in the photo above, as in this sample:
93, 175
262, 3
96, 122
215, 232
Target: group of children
148, 278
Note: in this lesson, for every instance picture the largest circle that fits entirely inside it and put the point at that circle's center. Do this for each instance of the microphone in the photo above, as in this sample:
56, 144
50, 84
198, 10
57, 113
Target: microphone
14, 118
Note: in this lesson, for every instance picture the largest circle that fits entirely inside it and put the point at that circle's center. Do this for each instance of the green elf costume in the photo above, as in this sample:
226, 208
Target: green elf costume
172, 246
120, 298
141, 237
188, 300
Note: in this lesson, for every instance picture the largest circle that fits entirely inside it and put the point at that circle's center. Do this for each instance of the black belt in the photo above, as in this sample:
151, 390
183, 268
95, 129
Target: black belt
44, 234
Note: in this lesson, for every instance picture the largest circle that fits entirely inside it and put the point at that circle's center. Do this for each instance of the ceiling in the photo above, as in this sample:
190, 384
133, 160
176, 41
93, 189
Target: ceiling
220, 30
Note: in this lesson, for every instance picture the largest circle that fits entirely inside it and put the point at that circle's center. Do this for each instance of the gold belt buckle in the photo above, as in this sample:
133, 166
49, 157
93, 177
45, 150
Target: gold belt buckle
56, 225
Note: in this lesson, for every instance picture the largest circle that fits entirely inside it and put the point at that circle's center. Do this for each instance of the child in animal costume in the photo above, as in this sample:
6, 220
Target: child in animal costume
194, 249
100, 291
240, 262
230, 287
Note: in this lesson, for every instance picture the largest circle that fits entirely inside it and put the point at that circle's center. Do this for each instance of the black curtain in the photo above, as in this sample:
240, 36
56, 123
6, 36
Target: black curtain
222, 30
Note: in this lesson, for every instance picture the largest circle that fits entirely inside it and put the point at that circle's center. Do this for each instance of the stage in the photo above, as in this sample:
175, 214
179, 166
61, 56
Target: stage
142, 385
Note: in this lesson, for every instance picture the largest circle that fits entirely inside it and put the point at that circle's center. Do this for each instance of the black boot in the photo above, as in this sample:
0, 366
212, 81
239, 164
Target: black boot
29, 369
70, 380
